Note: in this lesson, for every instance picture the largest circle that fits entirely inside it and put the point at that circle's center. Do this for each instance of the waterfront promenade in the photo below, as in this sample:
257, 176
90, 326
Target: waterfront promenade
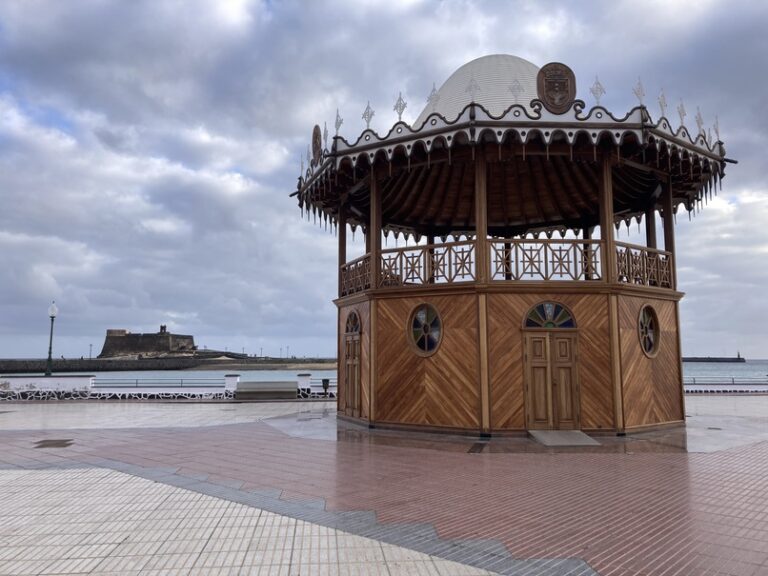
283, 488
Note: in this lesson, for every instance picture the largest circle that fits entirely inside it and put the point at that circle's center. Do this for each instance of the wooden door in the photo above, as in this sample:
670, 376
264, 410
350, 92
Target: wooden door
564, 385
352, 373
551, 382
538, 381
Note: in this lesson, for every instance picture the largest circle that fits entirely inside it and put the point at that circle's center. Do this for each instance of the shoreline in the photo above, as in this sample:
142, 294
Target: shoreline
266, 366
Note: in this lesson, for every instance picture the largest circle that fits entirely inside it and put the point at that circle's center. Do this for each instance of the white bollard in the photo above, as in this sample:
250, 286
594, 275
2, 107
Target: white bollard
231, 381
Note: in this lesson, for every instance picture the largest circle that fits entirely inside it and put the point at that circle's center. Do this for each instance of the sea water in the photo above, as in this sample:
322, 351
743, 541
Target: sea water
753, 369
191, 375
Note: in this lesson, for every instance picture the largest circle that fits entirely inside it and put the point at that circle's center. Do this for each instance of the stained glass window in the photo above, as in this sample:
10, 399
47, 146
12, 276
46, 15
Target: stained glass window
426, 328
648, 327
353, 324
549, 315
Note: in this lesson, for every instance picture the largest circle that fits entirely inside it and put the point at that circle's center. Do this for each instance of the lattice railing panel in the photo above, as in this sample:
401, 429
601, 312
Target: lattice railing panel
356, 276
429, 264
545, 260
643, 266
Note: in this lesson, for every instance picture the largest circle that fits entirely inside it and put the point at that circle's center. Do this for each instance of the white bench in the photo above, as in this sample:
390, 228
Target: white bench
275, 390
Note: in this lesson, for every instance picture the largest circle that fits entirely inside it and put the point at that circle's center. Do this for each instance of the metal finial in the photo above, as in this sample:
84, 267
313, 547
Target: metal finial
639, 91
400, 107
699, 120
325, 135
663, 103
717, 128
309, 156
709, 135
516, 88
433, 98
681, 111
368, 115
339, 121
473, 88
597, 90
301, 158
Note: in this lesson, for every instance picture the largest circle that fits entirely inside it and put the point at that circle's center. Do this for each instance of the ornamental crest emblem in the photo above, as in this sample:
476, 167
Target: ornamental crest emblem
317, 145
556, 87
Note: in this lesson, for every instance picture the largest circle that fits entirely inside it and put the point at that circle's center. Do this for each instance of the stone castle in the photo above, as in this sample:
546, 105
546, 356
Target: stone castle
122, 343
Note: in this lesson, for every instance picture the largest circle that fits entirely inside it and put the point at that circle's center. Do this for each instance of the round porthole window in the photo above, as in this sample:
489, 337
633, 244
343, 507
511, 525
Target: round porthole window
648, 330
426, 329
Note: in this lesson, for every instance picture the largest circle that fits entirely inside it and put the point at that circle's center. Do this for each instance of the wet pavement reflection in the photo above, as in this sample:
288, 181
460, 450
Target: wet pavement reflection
705, 431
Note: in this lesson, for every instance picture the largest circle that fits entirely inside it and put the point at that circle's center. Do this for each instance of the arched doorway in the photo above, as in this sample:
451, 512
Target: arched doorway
352, 396
551, 376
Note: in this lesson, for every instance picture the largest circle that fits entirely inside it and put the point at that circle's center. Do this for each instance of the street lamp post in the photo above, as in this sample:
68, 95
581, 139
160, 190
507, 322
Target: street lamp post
52, 311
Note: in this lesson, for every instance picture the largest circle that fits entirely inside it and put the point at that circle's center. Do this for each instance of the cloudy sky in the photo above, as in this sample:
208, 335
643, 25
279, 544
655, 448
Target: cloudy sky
148, 148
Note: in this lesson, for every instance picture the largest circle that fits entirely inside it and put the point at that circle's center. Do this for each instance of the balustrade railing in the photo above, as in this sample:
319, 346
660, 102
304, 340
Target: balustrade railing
428, 264
545, 260
643, 266
511, 259
356, 275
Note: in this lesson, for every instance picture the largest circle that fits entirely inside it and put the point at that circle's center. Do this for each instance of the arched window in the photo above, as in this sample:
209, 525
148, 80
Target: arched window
353, 324
648, 330
426, 329
549, 315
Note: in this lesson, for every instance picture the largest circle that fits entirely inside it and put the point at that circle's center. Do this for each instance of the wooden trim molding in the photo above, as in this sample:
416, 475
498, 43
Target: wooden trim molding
485, 387
616, 374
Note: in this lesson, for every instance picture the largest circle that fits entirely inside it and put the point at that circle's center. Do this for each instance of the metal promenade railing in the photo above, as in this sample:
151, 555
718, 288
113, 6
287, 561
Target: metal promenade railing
158, 383
725, 385
724, 380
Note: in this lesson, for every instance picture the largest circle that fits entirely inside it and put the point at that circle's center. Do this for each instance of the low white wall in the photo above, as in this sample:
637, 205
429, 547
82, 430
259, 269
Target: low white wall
53, 383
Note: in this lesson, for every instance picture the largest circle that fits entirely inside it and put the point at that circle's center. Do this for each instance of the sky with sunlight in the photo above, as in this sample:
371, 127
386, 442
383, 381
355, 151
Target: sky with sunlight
148, 149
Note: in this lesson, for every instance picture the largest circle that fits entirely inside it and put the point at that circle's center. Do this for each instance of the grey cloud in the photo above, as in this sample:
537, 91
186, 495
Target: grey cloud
147, 150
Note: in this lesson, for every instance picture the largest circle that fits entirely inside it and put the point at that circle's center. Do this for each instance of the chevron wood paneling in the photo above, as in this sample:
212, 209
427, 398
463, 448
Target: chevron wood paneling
363, 310
652, 386
505, 321
443, 390
439, 390
505, 362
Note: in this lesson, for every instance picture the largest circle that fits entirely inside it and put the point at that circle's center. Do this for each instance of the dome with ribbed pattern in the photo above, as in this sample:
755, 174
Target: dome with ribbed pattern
497, 81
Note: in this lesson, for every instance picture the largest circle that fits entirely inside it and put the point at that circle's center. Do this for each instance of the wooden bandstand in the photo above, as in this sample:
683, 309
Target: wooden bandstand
511, 305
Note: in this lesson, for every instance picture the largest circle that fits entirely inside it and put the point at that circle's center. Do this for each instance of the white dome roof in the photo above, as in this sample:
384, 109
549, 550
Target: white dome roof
500, 80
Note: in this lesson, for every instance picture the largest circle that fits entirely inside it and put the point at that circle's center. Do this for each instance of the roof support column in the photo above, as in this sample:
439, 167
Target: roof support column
341, 230
481, 217
374, 231
606, 220
669, 228
650, 226
481, 277
429, 265
374, 239
610, 275
586, 265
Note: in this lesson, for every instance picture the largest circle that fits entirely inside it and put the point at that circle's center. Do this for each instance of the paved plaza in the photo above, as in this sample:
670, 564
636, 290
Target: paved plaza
285, 488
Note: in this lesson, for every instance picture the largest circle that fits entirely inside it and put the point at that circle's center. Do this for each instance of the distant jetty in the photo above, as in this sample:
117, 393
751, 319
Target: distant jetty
737, 358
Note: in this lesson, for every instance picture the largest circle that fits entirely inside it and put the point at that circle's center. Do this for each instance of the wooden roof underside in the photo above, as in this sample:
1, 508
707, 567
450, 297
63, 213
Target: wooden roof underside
528, 190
